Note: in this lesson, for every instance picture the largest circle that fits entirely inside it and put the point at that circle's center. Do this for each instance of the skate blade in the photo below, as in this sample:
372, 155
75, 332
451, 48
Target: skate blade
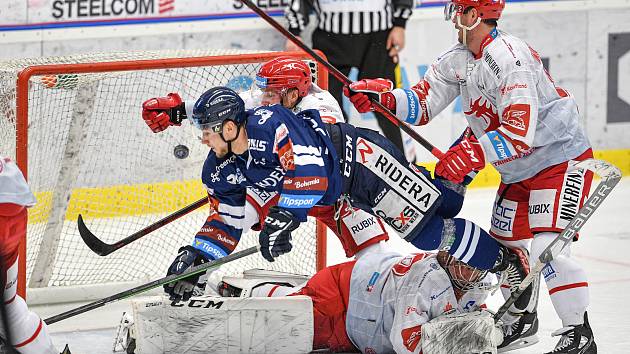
520, 343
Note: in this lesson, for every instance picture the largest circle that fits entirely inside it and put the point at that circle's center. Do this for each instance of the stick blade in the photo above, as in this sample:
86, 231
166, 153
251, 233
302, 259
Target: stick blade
97, 246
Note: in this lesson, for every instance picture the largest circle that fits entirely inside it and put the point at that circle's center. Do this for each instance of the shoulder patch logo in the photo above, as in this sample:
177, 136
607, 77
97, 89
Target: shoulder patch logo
516, 118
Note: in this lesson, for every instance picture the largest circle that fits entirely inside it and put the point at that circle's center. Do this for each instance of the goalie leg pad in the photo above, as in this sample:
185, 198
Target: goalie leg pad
222, 325
260, 283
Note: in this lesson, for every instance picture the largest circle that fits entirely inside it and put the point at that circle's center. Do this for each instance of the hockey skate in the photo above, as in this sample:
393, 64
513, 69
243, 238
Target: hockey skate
521, 333
514, 265
575, 339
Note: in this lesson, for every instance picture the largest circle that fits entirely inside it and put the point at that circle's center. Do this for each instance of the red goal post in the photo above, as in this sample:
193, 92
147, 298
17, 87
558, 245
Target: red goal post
27, 118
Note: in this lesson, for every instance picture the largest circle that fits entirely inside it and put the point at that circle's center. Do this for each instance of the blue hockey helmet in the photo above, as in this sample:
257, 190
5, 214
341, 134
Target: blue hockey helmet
217, 105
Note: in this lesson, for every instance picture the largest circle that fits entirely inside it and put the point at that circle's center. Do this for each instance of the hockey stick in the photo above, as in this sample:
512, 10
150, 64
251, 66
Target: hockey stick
154, 284
344, 79
610, 176
103, 249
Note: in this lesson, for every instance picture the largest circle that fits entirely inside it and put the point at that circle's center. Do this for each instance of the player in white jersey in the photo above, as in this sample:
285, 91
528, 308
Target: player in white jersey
529, 130
379, 302
28, 332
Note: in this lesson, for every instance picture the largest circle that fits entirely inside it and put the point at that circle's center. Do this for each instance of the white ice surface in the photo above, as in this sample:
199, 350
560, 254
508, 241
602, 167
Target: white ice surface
602, 250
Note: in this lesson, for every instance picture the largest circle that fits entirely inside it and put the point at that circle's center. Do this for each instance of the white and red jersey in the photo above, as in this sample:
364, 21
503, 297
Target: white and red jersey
13, 187
317, 98
523, 121
391, 296
324, 102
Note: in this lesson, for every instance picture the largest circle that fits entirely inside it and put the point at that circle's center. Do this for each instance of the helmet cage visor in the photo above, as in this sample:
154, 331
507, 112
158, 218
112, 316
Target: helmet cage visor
280, 82
215, 127
450, 9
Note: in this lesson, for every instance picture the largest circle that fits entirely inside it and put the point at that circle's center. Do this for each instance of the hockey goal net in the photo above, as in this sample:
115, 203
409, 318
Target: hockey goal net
73, 124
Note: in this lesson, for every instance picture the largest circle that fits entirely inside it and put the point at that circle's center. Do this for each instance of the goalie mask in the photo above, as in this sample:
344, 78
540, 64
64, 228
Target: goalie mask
216, 106
463, 276
285, 73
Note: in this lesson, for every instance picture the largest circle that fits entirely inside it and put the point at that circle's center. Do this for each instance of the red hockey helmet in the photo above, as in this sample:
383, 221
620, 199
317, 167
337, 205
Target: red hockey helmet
487, 9
285, 73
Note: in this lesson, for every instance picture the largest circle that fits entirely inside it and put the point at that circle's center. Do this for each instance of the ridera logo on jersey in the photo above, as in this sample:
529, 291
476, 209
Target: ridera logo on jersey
414, 188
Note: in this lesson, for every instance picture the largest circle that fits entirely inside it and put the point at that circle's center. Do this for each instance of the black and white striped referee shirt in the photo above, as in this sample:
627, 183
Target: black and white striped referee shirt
349, 16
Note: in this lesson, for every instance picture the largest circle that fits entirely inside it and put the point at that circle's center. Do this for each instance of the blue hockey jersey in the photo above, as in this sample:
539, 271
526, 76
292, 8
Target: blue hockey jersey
288, 154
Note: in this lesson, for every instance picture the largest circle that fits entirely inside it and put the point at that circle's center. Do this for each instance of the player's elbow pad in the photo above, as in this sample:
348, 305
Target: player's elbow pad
408, 108
209, 249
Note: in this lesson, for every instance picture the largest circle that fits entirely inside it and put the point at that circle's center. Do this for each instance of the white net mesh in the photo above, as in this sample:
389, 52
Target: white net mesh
90, 153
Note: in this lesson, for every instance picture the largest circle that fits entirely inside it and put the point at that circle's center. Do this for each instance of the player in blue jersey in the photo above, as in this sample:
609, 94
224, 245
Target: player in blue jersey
309, 163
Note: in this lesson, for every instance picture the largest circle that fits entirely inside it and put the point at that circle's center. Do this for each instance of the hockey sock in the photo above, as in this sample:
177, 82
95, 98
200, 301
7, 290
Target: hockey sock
463, 239
28, 331
566, 281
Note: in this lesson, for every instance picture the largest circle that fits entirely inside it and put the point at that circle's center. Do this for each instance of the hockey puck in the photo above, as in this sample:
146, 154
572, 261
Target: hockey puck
181, 151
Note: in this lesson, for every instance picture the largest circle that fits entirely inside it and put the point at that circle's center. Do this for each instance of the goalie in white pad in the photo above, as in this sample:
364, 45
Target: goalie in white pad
376, 304
224, 325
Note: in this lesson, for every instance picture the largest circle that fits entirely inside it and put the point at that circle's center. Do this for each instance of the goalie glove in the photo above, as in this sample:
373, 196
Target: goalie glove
183, 289
161, 112
275, 237
361, 92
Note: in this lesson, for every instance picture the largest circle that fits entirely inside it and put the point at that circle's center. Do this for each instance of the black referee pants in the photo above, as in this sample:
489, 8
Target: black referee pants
367, 53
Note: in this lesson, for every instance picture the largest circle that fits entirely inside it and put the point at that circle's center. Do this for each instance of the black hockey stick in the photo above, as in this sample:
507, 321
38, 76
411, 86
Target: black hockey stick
610, 176
344, 79
103, 249
152, 285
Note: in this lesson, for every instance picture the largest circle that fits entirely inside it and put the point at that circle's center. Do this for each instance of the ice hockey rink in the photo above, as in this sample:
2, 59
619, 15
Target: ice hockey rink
602, 250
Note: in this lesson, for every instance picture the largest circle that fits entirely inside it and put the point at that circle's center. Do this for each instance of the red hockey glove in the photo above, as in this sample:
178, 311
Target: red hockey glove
161, 112
360, 93
461, 159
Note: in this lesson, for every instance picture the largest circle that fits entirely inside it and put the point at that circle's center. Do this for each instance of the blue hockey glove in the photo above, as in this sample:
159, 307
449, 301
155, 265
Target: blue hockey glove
275, 237
183, 289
